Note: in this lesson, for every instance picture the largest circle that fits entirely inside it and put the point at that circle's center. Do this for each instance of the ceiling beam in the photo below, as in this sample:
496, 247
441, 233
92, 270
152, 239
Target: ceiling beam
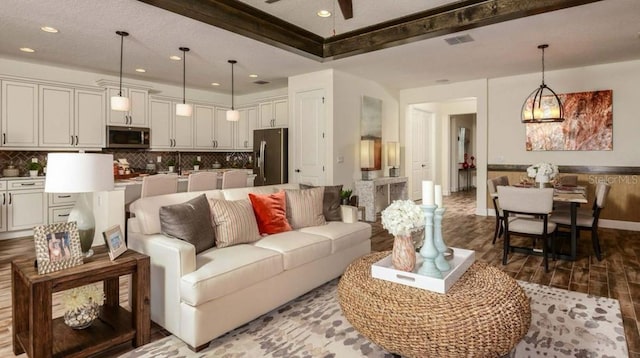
444, 20
240, 18
237, 17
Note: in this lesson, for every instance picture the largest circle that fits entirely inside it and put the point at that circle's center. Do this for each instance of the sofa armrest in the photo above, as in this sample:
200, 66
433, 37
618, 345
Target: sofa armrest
170, 260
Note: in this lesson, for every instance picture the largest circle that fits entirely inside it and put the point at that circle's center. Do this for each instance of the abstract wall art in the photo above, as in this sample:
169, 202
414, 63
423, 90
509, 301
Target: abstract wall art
588, 124
371, 126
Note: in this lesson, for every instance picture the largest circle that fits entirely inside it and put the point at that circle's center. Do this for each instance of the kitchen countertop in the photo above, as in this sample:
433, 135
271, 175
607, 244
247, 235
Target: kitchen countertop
23, 178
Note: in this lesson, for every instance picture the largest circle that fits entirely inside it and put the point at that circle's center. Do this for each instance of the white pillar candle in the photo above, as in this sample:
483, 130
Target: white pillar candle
427, 192
438, 194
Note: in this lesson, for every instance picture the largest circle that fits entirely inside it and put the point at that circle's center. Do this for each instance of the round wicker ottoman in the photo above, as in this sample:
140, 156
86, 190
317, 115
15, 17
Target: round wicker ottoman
484, 314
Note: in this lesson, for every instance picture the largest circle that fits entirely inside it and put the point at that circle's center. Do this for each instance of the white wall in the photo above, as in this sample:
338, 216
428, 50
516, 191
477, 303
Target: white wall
454, 98
507, 133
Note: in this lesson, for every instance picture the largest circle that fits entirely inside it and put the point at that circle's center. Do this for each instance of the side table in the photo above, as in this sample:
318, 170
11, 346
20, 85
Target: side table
38, 335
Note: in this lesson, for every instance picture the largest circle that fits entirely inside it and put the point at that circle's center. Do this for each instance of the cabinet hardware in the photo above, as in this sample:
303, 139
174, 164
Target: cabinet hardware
9, 198
64, 196
27, 184
297, 170
76, 140
4, 138
63, 215
4, 198
71, 140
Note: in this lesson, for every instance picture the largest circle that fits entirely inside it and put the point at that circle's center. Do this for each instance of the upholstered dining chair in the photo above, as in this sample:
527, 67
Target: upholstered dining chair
527, 201
492, 185
159, 184
586, 220
234, 179
202, 181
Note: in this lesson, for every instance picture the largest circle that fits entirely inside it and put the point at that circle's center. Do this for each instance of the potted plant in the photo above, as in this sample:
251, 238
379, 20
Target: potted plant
34, 168
345, 196
196, 164
171, 164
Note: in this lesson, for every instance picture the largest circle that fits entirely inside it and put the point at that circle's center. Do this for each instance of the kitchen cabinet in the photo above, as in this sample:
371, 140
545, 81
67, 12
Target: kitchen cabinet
223, 130
274, 113
59, 206
23, 204
244, 128
137, 114
19, 114
169, 131
71, 117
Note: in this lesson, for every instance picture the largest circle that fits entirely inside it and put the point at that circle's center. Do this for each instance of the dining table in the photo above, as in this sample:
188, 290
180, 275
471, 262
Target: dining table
574, 196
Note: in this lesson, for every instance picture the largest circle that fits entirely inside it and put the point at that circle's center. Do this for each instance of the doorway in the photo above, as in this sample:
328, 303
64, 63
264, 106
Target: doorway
422, 148
463, 150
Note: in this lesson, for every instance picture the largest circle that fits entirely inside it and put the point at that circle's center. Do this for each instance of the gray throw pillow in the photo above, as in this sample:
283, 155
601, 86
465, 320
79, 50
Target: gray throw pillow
330, 201
189, 221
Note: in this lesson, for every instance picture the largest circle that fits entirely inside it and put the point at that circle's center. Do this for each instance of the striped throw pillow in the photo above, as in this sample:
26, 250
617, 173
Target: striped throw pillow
304, 207
233, 222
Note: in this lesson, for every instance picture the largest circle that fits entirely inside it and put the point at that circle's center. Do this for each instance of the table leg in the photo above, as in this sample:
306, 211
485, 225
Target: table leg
112, 292
140, 302
40, 320
19, 308
574, 230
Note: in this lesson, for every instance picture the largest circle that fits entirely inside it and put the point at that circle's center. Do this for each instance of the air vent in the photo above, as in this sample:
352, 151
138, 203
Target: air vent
459, 39
261, 82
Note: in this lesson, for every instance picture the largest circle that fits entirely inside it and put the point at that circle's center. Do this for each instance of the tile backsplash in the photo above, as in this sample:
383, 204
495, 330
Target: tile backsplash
138, 159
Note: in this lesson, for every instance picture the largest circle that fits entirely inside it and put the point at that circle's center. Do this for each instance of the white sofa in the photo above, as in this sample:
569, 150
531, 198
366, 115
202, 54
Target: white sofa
200, 297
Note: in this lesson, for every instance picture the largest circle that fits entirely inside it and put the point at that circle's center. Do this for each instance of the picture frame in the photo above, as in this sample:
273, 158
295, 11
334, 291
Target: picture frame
57, 247
114, 240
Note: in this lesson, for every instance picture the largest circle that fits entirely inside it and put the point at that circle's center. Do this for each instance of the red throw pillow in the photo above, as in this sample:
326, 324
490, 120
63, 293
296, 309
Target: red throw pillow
270, 211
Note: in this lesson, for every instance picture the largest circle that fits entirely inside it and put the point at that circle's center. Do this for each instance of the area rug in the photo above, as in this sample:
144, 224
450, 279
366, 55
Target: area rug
563, 324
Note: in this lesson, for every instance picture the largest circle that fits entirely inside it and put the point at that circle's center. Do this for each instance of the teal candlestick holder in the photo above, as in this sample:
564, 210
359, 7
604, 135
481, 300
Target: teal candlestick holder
440, 261
429, 252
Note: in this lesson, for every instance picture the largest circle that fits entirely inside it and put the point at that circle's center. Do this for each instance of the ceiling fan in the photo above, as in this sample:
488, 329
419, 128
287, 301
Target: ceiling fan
346, 6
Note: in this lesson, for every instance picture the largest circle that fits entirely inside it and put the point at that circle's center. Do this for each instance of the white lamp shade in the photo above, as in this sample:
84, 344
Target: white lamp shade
79, 173
233, 115
367, 156
184, 110
393, 154
119, 103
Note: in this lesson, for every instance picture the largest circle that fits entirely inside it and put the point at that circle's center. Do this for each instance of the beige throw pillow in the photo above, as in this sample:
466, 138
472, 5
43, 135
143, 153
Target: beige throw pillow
233, 222
304, 207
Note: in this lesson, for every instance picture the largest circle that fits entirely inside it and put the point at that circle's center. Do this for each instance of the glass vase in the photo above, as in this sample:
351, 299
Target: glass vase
82, 317
403, 255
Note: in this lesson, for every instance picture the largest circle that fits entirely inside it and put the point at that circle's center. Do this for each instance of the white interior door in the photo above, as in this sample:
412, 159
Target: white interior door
422, 124
310, 138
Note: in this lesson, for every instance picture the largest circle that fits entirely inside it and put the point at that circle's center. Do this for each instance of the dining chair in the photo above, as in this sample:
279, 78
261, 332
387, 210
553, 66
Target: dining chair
527, 201
492, 185
159, 184
586, 220
234, 179
202, 181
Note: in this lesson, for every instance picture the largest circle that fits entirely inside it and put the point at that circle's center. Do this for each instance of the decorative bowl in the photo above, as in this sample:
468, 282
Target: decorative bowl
10, 172
82, 317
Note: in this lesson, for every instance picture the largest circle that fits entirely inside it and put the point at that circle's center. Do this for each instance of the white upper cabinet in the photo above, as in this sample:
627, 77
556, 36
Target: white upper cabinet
169, 131
223, 130
71, 118
274, 113
19, 114
204, 118
245, 127
137, 114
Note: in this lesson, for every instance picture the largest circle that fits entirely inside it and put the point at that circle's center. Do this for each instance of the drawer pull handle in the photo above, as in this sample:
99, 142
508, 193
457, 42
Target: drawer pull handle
27, 184
63, 215
64, 196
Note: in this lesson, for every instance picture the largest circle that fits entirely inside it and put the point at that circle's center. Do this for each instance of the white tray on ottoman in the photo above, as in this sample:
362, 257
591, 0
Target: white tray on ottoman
462, 260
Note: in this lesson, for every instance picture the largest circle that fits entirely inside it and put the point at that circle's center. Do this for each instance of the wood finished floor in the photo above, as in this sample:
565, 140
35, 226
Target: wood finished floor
617, 275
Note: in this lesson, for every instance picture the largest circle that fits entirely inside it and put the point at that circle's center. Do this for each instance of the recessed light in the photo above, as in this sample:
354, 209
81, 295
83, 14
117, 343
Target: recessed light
175, 58
49, 29
27, 49
324, 13
253, 76
215, 84
141, 70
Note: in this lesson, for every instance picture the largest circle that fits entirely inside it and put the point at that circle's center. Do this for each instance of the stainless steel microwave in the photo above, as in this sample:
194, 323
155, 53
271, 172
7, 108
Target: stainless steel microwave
128, 137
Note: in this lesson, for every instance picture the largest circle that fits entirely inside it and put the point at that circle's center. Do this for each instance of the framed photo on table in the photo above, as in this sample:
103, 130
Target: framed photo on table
57, 247
115, 241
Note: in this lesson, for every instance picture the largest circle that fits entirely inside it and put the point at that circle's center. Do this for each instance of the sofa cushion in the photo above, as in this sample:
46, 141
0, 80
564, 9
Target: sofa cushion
270, 212
243, 193
222, 271
233, 222
304, 207
330, 202
342, 235
297, 248
189, 221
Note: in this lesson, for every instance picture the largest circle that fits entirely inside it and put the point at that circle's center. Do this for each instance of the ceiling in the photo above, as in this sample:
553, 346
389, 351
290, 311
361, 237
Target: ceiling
600, 32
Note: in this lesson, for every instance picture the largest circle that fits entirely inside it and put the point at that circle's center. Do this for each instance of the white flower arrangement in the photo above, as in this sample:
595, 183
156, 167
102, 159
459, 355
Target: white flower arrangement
80, 297
548, 169
402, 217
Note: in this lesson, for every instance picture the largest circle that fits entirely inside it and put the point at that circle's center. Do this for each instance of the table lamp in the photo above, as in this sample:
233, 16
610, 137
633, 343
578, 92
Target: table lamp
367, 158
81, 173
393, 158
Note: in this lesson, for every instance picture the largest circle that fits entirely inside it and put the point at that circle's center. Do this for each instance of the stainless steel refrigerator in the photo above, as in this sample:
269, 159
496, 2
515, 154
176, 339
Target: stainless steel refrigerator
271, 156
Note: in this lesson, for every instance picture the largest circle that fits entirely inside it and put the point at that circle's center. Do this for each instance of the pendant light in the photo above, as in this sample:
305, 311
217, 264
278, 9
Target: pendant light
232, 114
119, 102
541, 106
183, 109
